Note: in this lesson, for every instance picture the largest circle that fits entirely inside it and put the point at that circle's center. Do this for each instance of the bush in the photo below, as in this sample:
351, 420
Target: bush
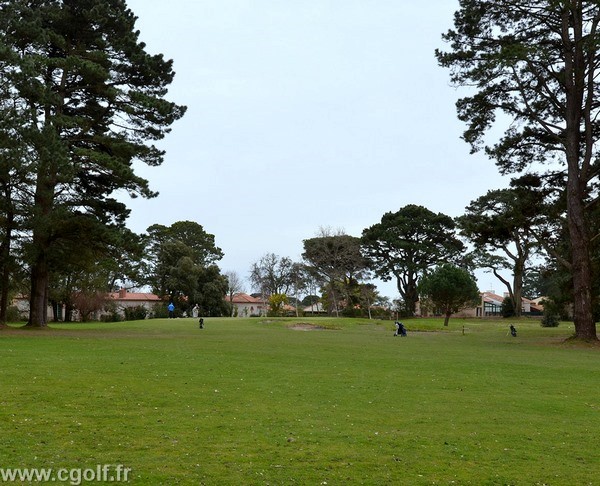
159, 311
13, 314
111, 316
381, 313
135, 313
549, 320
350, 312
508, 309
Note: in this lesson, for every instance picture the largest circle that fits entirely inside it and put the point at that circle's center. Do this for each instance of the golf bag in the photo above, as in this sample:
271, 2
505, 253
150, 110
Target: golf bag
400, 329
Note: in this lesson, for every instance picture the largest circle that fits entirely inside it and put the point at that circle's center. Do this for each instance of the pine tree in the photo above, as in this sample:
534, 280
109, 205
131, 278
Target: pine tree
94, 102
537, 64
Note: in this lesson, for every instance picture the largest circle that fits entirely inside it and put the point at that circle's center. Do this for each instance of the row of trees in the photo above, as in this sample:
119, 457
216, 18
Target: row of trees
518, 230
414, 246
531, 69
332, 265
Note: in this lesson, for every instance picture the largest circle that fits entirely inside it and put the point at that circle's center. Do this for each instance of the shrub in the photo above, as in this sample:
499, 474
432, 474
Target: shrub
350, 312
13, 314
111, 316
111, 313
159, 311
549, 319
508, 309
135, 313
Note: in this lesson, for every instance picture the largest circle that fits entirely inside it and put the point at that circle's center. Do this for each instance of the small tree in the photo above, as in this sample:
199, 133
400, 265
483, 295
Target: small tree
508, 308
550, 319
276, 304
87, 303
450, 289
336, 260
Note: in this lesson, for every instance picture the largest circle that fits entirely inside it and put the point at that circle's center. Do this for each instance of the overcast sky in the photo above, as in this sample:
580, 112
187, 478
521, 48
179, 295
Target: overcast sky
305, 114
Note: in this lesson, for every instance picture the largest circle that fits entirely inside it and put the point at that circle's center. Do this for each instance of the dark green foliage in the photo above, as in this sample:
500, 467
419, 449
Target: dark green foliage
13, 314
159, 311
182, 270
537, 283
338, 263
310, 300
111, 313
91, 101
537, 64
500, 226
135, 313
407, 243
450, 289
508, 309
550, 320
212, 287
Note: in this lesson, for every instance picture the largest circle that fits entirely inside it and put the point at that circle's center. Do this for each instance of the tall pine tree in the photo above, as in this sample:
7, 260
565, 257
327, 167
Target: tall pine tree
94, 102
537, 63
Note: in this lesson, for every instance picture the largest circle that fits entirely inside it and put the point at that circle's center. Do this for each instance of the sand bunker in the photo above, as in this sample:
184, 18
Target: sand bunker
305, 326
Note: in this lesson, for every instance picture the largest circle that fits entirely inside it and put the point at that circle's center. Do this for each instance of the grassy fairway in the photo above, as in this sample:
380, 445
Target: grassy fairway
250, 401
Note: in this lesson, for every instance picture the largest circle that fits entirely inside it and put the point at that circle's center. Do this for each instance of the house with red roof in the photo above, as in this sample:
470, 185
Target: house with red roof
245, 305
123, 299
117, 301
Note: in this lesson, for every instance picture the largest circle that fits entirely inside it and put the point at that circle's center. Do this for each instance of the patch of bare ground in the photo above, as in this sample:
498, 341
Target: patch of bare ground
574, 342
76, 332
24, 330
305, 326
568, 343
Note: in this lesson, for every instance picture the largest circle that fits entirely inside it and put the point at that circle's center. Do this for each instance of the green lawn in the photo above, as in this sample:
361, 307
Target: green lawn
251, 401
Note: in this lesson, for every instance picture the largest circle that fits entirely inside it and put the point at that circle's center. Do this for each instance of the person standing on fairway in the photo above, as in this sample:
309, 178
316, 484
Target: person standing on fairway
171, 309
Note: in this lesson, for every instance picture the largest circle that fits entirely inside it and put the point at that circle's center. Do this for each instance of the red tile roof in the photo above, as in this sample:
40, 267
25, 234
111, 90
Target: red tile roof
242, 298
130, 296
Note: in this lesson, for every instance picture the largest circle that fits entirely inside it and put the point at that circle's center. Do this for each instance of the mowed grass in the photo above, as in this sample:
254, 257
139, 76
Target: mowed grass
254, 401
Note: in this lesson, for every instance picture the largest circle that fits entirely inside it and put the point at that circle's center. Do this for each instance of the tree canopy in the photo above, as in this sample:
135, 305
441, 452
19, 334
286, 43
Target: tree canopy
337, 261
91, 101
408, 242
502, 221
532, 69
273, 274
450, 289
182, 266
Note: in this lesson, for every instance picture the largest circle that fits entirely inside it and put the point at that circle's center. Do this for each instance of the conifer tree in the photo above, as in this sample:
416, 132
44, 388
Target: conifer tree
94, 102
536, 64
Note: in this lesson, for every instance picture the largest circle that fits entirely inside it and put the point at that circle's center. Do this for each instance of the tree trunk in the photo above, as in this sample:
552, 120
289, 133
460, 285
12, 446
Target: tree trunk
409, 294
578, 167
5, 256
585, 327
517, 296
38, 300
335, 302
4, 284
447, 317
